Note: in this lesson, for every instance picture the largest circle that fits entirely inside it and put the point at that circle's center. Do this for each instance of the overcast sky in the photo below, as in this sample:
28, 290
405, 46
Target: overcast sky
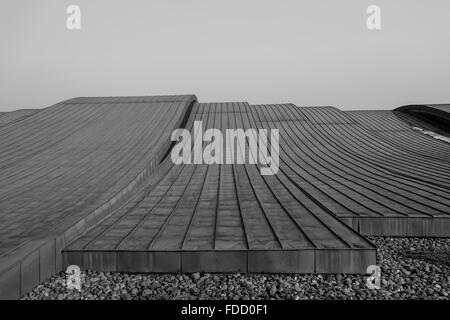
305, 52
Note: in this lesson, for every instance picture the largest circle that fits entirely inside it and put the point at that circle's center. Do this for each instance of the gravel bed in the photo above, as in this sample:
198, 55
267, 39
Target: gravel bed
412, 268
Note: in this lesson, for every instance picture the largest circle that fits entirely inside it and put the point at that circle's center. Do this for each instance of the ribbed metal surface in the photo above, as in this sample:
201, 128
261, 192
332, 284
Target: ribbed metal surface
84, 176
67, 160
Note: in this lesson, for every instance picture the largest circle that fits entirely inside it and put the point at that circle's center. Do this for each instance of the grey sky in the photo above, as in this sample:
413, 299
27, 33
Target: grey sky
305, 52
